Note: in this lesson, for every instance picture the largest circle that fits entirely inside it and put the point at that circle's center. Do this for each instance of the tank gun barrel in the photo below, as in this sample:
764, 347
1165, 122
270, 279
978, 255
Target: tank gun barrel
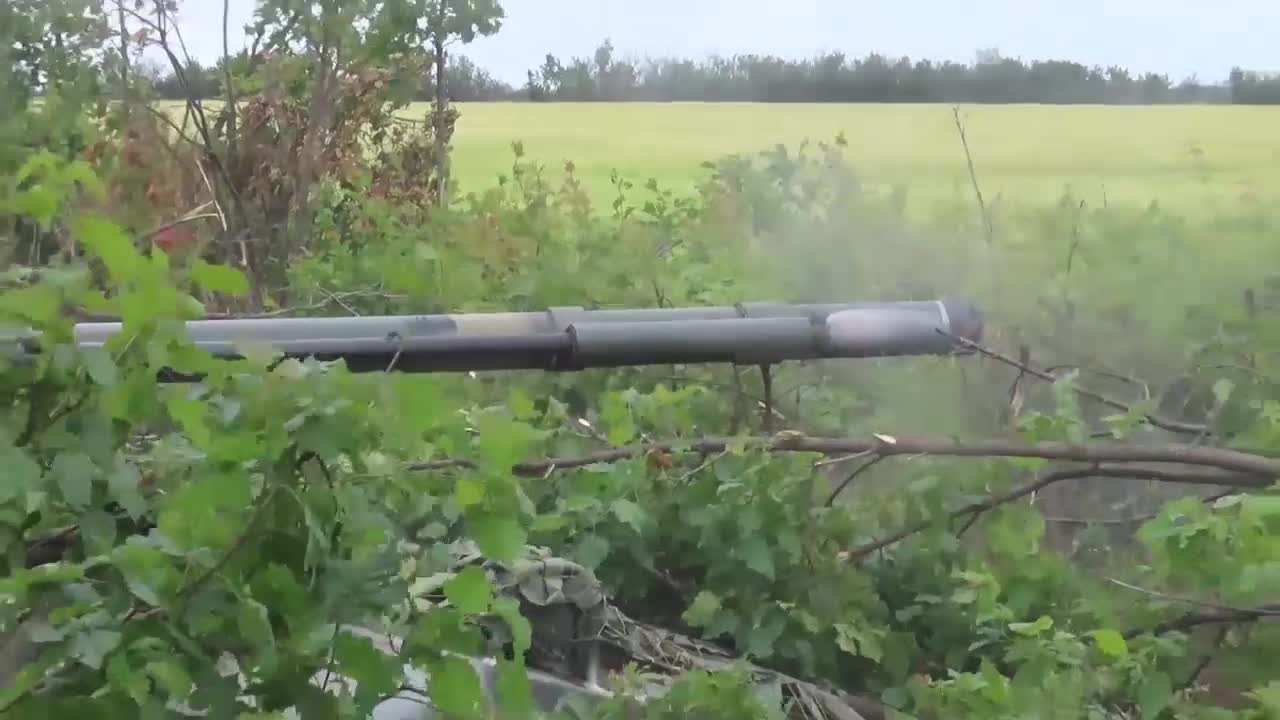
572, 338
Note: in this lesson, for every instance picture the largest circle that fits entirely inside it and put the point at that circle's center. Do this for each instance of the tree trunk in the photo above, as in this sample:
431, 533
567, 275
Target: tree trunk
124, 61
441, 123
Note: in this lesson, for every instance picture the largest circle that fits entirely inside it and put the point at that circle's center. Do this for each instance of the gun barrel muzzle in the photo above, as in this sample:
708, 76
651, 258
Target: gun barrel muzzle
573, 338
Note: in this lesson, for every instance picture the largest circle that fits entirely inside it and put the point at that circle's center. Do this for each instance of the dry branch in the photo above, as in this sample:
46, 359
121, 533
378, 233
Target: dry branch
1267, 611
1174, 426
1213, 614
1242, 469
853, 476
1236, 468
1210, 466
1195, 619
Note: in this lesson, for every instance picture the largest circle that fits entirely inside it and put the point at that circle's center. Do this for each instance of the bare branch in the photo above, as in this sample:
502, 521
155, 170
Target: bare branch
977, 509
1162, 423
188, 218
1266, 611
1236, 468
1195, 619
230, 111
973, 178
1207, 657
251, 527
853, 475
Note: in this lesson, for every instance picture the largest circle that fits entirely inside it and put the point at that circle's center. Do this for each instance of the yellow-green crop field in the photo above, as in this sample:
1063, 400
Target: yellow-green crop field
1198, 158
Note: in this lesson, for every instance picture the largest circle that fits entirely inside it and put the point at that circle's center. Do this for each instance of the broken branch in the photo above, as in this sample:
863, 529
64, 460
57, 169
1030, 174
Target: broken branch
1155, 420
1237, 468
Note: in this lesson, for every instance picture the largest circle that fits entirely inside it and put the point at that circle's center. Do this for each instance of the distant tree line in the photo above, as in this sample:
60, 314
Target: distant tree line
832, 77
836, 78
465, 81
1251, 88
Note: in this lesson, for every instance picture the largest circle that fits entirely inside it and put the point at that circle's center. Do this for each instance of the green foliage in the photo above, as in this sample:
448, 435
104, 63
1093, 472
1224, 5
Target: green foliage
833, 77
739, 546
701, 695
258, 517
216, 544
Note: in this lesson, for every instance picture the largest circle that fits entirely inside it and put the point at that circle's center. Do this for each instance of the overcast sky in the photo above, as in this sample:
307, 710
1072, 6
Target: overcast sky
1178, 37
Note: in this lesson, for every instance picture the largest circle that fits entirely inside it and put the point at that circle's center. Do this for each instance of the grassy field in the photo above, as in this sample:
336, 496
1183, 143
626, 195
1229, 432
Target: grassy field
1212, 159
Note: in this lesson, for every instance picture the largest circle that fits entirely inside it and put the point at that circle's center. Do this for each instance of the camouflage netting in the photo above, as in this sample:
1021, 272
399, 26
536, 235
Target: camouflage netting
578, 635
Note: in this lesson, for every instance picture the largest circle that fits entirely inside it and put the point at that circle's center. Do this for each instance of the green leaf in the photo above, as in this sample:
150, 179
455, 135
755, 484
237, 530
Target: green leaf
100, 366
548, 523
447, 629
503, 442
520, 404
73, 472
219, 278
373, 671
1154, 695
40, 203
254, 622
124, 676
704, 607
1031, 629
39, 304
98, 529
763, 635
470, 590
616, 415
147, 571
1260, 506
1268, 697
500, 538
508, 609
21, 474
108, 242
123, 484
1222, 390
758, 556
629, 513
1015, 531
419, 401
172, 677
1110, 642
858, 641
515, 693
591, 550
92, 647
455, 687
468, 491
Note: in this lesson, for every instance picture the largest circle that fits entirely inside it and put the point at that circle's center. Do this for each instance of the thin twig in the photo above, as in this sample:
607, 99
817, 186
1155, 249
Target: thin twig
850, 478
975, 509
230, 89
706, 463
331, 298
1260, 612
1232, 468
33, 426
841, 459
1137, 520
176, 223
335, 298
973, 178
1146, 388
213, 198
766, 379
1206, 658
235, 548
1195, 619
1162, 423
